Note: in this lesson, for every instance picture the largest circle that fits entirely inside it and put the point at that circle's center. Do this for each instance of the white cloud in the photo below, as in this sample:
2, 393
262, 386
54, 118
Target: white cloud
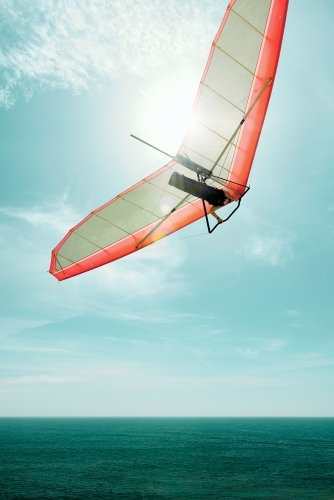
273, 345
144, 377
293, 312
36, 349
295, 315
248, 353
209, 383
270, 345
16, 384
153, 316
78, 45
9, 326
56, 214
153, 270
308, 361
273, 250
7, 99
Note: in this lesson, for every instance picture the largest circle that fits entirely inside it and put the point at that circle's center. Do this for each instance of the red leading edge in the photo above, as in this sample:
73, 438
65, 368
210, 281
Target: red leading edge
242, 162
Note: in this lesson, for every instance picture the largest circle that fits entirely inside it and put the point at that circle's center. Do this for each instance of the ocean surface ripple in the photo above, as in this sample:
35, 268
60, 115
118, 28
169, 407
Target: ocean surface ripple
167, 458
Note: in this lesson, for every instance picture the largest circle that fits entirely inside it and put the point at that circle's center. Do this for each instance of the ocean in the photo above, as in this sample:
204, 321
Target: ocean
167, 458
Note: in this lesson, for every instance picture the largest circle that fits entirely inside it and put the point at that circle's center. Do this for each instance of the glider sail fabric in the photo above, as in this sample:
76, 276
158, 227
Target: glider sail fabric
236, 86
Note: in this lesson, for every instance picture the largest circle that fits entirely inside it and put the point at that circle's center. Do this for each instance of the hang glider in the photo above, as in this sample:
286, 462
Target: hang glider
213, 163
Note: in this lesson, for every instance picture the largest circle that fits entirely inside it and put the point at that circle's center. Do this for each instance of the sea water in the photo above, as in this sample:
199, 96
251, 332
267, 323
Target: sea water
166, 458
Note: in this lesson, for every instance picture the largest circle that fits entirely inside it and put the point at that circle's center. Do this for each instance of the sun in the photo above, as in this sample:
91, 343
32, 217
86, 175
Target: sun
168, 113
171, 115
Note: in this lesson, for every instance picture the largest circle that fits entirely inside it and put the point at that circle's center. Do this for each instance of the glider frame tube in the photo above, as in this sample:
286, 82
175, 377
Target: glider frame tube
162, 220
228, 217
268, 81
219, 222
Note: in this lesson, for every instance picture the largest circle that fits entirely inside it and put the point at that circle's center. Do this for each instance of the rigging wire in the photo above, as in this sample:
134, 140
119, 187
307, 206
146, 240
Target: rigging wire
233, 107
187, 237
141, 172
178, 239
227, 153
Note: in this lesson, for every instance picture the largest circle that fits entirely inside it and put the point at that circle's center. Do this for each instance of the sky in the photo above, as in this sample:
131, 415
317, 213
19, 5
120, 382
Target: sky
238, 323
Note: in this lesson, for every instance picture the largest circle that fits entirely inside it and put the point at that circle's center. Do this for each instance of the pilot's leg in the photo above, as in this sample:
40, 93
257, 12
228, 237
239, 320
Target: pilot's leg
213, 212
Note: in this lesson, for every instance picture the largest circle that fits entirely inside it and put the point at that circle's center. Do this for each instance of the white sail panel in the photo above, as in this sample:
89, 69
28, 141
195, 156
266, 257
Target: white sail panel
254, 12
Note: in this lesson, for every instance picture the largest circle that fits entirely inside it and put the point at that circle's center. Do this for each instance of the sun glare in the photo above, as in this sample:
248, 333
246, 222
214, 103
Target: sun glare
171, 115
166, 204
168, 112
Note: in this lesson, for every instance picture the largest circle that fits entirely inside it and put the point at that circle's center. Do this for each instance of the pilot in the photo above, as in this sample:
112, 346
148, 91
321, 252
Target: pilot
229, 197
216, 197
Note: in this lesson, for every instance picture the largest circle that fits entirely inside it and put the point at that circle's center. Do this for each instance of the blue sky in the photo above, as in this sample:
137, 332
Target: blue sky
236, 323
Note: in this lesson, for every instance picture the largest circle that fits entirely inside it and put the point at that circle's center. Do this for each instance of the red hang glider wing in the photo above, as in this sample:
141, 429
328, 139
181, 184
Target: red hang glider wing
240, 72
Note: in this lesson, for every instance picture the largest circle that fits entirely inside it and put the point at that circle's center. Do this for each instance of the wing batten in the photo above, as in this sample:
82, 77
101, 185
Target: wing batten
235, 60
245, 20
225, 99
244, 54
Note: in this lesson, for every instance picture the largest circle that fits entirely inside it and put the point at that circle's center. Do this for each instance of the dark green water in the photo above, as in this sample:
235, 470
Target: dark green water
167, 458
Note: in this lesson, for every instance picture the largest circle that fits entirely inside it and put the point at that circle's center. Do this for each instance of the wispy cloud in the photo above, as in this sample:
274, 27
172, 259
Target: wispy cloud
56, 214
42, 379
210, 383
293, 312
273, 345
150, 271
270, 345
273, 250
248, 353
145, 377
295, 316
9, 326
69, 44
33, 349
308, 361
16, 384
154, 316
